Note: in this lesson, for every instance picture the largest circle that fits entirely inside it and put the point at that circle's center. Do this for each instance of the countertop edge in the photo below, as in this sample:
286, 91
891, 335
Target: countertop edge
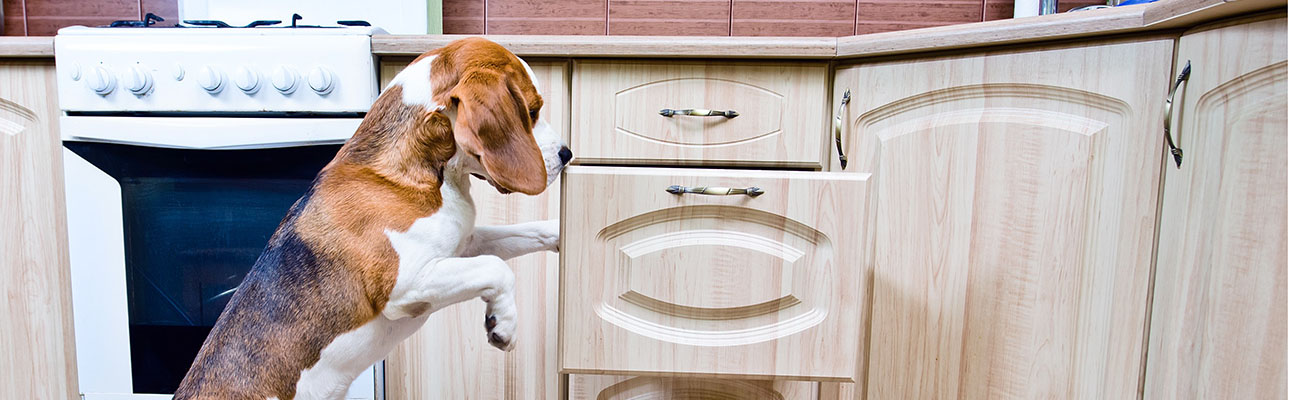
26, 46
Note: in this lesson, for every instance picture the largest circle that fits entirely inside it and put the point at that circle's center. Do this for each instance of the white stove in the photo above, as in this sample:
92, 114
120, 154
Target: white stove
183, 149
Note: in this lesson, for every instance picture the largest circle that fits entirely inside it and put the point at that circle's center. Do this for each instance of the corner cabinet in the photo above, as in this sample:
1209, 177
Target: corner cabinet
1014, 198
1218, 324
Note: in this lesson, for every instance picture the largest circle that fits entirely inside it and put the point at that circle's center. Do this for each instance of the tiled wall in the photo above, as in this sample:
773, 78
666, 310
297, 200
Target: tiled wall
45, 17
718, 17
594, 17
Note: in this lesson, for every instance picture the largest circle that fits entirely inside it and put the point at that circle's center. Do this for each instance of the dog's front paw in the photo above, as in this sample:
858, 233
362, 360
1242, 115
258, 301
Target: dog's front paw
500, 322
549, 234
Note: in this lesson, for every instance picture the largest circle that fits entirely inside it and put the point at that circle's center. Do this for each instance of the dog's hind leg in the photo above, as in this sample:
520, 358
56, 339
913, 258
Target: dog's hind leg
448, 281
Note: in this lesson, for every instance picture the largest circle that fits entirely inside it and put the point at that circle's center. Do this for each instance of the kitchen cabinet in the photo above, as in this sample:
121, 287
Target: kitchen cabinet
1218, 321
450, 356
779, 113
38, 349
1013, 199
763, 285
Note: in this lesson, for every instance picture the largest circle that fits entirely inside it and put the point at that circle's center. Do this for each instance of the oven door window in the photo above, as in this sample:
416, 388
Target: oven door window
195, 221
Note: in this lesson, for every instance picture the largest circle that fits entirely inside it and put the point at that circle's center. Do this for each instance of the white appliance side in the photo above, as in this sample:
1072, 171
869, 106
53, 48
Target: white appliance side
96, 247
395, 16
209, 133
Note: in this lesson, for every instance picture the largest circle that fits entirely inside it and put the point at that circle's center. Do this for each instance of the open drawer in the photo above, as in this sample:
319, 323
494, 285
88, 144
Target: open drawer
736, 286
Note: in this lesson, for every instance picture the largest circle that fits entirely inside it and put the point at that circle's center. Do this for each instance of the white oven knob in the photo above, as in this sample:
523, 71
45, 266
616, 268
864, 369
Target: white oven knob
140, 80
74, 71
211, 79
285, 79
177, 72
321, 80
102, 81
248, 80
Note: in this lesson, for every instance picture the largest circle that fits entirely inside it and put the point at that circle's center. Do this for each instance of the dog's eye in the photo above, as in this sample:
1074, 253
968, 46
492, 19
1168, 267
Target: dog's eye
533, 115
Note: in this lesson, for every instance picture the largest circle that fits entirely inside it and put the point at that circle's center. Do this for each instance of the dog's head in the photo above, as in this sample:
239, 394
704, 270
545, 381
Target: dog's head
492, 104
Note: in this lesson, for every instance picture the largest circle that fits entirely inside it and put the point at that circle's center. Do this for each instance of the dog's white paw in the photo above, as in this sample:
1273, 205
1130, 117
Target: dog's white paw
500, 320
549, 233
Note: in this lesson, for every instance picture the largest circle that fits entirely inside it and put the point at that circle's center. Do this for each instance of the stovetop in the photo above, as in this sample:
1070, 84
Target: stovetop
151, 20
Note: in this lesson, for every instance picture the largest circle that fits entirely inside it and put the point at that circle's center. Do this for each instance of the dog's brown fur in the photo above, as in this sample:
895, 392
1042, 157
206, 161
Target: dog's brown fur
330, 267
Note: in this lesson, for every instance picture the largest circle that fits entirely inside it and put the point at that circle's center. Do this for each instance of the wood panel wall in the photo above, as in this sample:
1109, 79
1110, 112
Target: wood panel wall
45, 17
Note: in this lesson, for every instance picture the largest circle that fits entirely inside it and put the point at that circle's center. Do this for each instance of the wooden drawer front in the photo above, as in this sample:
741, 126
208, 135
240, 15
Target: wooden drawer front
699, 285
611, 387
782, 111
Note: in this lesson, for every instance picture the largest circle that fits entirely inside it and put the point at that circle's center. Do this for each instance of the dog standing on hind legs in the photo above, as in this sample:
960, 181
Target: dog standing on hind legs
385, 236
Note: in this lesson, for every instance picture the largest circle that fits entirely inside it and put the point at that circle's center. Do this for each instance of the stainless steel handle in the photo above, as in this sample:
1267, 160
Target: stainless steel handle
837, 128
1169, 114
715, 190
698, 112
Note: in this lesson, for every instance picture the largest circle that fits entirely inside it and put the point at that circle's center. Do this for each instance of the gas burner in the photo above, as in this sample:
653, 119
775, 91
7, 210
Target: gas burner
148, 20
221, 24
295, 18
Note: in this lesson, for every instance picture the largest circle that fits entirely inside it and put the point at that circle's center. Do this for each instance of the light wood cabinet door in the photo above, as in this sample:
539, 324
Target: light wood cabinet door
781, 110
1014, 207
1218, 322
450, 358
611, 387
733, 286
38, 347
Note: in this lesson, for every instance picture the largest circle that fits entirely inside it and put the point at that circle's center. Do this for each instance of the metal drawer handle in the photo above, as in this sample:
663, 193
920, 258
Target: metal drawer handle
715, 190
698, 112
1169, 114
837, 128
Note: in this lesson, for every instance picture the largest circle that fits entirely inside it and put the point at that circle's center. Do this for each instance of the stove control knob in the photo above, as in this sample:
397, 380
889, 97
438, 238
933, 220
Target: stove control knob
74, 71
140, 80
211, 79
248, 80
321, 80
101, 81
286, 79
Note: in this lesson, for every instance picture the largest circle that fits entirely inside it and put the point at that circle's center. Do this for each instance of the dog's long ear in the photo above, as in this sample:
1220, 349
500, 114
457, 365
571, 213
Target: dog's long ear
492, 122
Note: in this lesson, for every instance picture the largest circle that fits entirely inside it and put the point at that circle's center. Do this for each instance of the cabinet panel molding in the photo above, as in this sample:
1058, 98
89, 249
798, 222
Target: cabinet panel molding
38, 349
1218, 322
732, 286
1014, 204
780, 110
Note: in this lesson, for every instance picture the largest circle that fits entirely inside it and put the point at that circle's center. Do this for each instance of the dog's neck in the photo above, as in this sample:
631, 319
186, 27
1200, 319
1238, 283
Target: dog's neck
409, 145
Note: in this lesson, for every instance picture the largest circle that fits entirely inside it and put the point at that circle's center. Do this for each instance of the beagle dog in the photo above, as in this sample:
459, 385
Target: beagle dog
386, 235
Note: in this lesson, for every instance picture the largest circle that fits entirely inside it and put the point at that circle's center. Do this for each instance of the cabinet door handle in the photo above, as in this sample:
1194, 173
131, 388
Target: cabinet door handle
715, 190
837, 128
698, 112
1169, 114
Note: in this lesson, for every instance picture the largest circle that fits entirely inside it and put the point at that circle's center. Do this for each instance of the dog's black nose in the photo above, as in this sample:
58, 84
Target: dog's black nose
565, 155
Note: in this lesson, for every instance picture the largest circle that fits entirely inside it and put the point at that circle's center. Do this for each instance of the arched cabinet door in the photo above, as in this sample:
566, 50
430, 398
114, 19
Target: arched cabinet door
658, 279
1218, 322
1014, 199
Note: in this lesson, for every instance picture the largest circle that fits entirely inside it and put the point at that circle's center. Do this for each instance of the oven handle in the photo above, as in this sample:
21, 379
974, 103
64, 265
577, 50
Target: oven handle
208, 133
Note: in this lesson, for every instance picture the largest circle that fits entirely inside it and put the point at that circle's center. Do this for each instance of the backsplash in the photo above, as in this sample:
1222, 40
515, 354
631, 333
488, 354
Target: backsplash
604, 17
45, 17
718, 17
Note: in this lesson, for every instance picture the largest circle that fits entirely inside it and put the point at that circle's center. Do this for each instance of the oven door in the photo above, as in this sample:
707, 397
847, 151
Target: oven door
165, 217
